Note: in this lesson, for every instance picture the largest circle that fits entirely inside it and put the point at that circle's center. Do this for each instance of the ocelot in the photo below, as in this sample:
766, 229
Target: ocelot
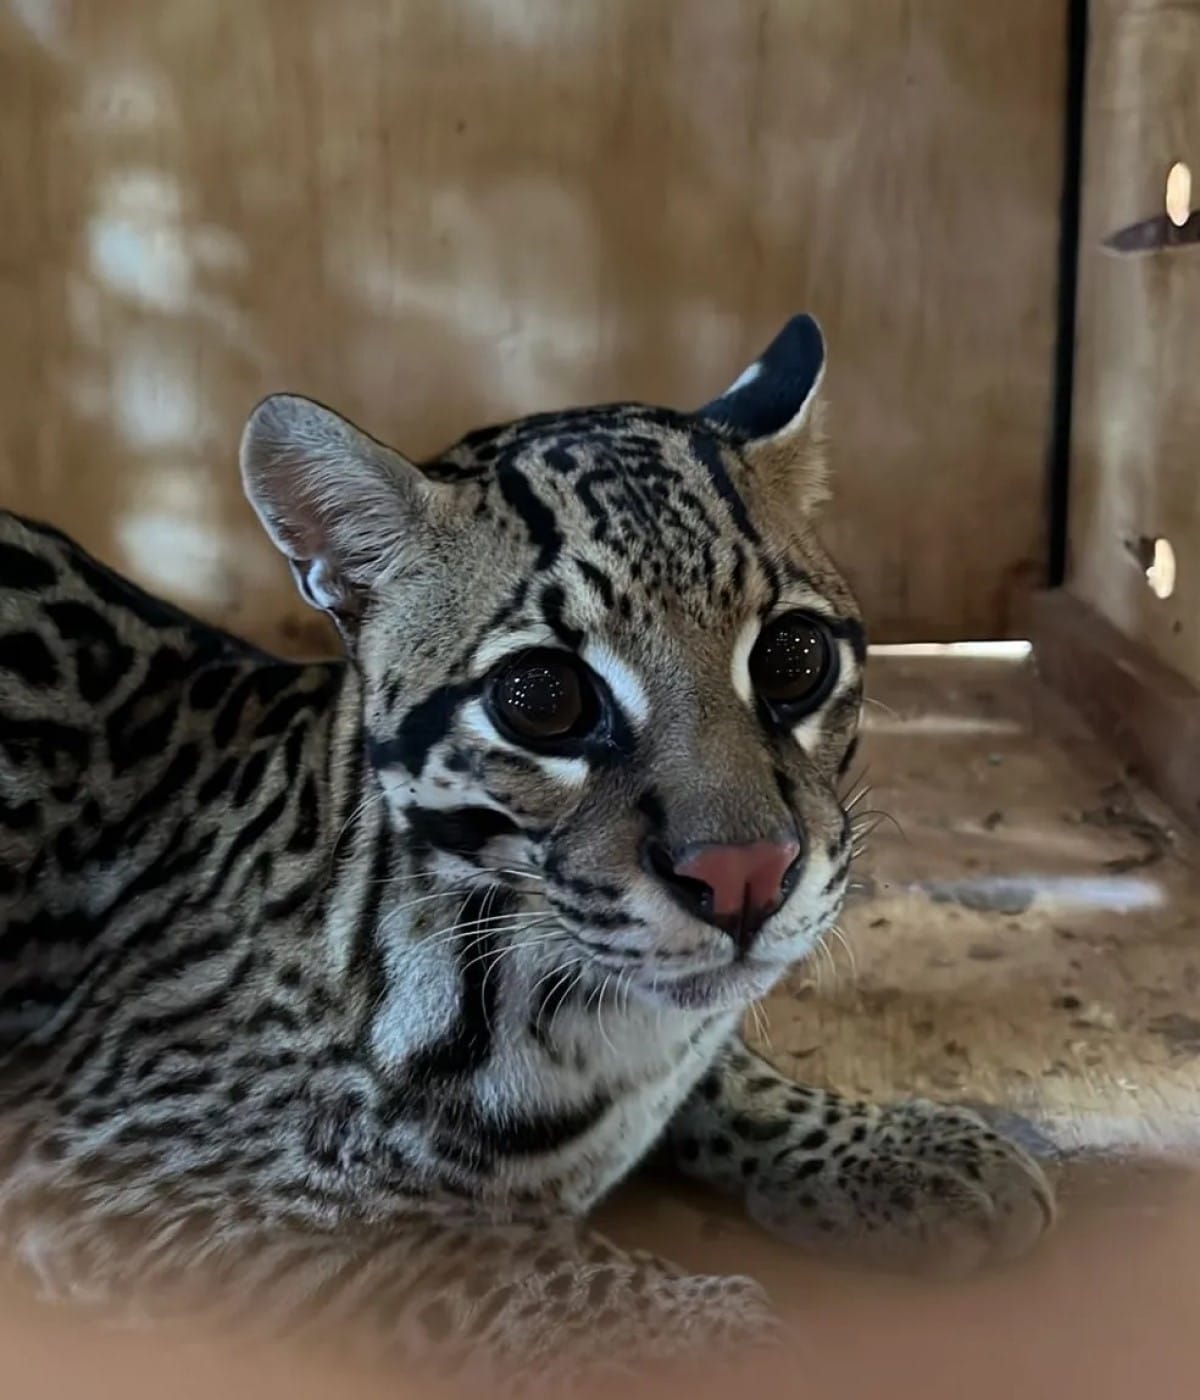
345, 990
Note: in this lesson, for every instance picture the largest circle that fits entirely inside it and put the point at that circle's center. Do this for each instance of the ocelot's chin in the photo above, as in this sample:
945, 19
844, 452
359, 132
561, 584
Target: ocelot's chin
728, 988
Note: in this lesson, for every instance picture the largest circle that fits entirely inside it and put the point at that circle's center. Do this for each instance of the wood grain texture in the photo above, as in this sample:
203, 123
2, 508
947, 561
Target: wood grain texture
1025, 936
1136, 439
435, 213
1149, 713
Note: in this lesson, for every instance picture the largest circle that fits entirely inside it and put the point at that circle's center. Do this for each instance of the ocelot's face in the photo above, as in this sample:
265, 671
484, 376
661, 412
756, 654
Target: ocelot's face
606, 666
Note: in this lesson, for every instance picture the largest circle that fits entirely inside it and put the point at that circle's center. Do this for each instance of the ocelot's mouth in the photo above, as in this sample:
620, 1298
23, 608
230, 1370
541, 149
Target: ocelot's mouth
698, 978
726, 988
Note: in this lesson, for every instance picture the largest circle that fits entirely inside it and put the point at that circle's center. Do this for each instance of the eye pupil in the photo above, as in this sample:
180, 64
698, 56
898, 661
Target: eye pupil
541, 697
546, 698
792, 661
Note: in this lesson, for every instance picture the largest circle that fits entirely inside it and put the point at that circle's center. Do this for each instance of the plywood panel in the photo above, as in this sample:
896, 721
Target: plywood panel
435, 213
1136, 447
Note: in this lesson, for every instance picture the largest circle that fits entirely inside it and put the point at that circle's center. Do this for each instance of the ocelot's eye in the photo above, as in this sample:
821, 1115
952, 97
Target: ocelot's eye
543, 697
794, 662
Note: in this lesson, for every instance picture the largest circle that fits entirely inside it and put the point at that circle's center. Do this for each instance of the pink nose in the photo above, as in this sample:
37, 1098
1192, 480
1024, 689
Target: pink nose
746, 884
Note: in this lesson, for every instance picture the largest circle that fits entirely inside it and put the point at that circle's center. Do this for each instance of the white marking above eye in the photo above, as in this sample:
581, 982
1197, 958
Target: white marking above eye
739, 664
627, 689
495, 649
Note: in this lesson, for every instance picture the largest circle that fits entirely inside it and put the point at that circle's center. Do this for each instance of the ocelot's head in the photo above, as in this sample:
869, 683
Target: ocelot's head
604, 663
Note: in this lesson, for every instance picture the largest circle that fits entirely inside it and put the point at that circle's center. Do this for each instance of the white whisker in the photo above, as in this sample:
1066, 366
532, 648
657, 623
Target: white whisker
560, 973
497, 955
474, 928
420, 899
600, 1014
562, 997
762, 1026
498, 958
524, 872
862, 793
822, 949
355, 812
839, 934
858, 783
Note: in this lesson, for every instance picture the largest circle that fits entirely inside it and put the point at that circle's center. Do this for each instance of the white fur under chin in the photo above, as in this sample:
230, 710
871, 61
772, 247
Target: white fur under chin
731, 988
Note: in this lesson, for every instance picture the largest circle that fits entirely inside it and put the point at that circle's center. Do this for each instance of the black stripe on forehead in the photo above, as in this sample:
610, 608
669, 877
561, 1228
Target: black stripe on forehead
503, 617
539, 519
506, 610
708, 451
553, 603
598, 579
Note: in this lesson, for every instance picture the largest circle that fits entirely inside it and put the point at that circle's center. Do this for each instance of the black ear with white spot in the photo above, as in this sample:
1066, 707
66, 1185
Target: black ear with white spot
342, 508
773, 397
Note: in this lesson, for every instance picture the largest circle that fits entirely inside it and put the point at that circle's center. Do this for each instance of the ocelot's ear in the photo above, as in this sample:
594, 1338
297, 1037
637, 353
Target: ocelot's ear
342, 508
773, 410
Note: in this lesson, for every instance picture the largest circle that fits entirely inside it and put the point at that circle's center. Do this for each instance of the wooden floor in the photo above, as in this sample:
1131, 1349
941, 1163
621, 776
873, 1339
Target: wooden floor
1028, 935
1027, 939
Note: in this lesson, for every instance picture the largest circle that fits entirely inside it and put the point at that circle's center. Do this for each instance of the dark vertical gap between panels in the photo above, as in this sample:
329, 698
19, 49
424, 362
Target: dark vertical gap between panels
1068, 274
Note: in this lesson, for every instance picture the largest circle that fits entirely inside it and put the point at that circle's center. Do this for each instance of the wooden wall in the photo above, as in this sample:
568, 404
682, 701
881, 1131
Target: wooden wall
432, 212
1135, 474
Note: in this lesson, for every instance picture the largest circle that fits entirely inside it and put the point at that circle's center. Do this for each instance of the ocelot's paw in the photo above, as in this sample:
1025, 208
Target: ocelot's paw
603, 1328
717, 1317
918, 1187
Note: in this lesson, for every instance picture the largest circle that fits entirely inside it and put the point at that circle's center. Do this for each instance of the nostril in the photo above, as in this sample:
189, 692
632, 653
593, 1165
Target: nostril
734, 887
659, 862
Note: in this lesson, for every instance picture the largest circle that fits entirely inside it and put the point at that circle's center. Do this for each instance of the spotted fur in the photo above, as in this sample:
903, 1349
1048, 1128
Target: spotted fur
317, 992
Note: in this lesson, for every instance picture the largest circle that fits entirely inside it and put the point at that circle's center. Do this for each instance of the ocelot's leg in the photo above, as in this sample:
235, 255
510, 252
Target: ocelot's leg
913, 1186
522, 1308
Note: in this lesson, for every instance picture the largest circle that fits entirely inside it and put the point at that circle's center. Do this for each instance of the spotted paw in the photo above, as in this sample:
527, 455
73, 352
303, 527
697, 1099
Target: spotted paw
729, 1317
651, 1322
722, 1318
917, 1188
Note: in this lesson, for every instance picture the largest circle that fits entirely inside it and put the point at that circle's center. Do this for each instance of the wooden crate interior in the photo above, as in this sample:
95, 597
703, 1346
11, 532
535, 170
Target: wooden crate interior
436, 215
433, 215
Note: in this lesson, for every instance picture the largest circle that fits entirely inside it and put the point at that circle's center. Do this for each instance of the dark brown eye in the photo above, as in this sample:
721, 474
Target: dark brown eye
543, 696
793, 662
